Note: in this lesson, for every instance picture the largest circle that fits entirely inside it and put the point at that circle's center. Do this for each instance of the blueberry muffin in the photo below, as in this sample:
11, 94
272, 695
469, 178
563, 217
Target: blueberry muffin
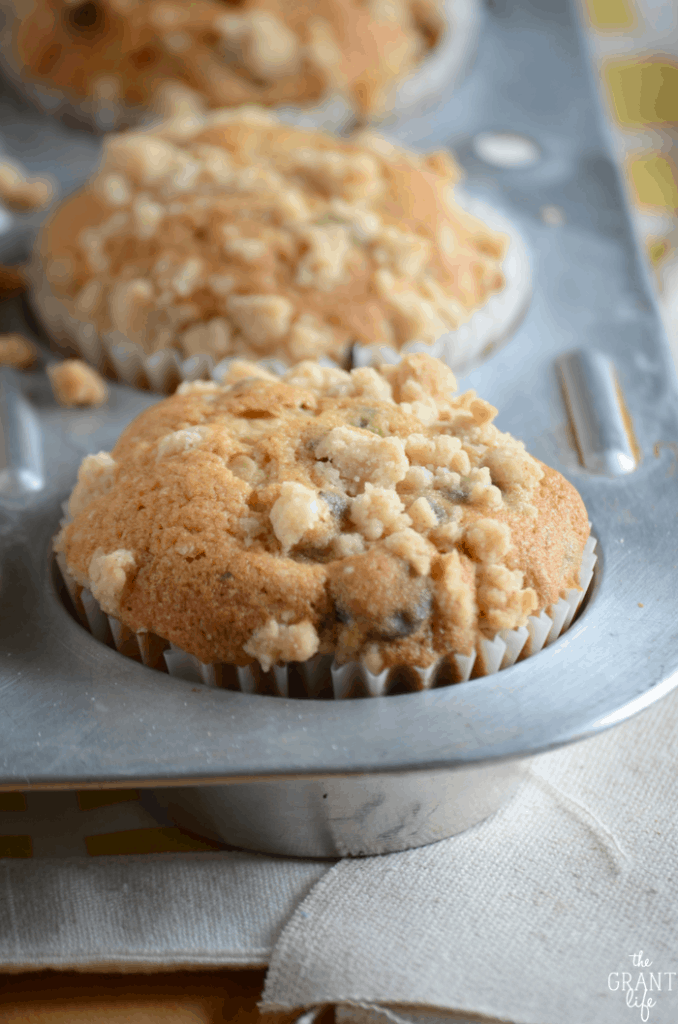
246, 237
375, 516
116, 56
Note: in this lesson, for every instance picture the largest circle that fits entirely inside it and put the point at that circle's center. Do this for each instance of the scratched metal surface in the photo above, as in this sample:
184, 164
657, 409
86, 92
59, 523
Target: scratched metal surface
73, 712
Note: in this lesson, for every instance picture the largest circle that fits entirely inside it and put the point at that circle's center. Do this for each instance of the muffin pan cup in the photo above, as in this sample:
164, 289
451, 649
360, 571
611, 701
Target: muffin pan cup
304, 777
442, 70
588, 383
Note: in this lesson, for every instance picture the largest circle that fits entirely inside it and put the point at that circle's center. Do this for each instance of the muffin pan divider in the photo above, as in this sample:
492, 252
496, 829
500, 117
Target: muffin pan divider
603, 431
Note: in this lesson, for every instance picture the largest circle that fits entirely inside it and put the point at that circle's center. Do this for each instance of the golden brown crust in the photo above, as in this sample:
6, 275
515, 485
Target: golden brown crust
251, 238
269, 52
328, 512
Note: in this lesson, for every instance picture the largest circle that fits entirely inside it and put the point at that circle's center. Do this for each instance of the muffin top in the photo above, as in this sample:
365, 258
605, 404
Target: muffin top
247, 237
373, 514
268, 52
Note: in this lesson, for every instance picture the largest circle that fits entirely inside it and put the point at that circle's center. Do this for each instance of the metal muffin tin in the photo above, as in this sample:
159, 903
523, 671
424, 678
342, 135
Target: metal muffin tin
365, 776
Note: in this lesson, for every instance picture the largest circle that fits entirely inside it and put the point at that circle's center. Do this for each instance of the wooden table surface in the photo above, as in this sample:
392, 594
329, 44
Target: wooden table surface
181, 997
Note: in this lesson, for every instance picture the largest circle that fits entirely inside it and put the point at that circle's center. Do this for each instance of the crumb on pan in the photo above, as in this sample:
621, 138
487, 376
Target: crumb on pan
19, 191
273, 518
247, 237
17, 351
75, 383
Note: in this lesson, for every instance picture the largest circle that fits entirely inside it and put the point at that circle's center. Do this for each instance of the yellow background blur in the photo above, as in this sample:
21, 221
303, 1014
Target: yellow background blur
636, 45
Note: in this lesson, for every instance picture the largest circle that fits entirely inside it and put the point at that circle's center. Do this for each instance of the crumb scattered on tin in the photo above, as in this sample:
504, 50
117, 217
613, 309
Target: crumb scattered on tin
17, 351
21, 192
75, 383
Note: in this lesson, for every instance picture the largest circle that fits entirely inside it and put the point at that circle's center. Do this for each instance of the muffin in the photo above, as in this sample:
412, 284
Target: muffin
243, 236
113, 58
373, 518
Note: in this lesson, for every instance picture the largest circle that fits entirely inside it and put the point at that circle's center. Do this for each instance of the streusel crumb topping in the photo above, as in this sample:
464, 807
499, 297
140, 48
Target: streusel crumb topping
247, 237
375, 515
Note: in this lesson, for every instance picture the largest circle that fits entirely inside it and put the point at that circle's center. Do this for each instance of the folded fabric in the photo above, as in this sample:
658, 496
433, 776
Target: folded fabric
152, 913
92, 881
561, 908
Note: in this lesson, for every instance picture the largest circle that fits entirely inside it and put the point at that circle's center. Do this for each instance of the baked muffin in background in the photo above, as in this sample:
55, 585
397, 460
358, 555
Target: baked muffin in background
243, 236
114, 57
373, 516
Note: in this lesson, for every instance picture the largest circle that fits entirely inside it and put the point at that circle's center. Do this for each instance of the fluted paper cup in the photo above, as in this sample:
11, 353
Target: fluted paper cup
322, 677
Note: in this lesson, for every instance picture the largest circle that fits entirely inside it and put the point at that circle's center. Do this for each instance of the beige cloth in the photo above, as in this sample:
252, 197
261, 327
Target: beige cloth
532, 916
67, 902
147, 913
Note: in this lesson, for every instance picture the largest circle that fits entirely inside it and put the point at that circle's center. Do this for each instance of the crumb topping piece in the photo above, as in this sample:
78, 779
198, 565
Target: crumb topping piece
17, 351
19, 191
247, 237
277, 643
279, 517
75, 383
96, 476
294, 513
108, 575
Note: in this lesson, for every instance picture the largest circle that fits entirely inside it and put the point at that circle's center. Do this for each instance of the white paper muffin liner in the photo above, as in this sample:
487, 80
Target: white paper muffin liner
112, 354
488, 328
321, 676
438, 73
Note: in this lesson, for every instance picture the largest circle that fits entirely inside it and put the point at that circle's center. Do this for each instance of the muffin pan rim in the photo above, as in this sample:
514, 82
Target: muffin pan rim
102, 730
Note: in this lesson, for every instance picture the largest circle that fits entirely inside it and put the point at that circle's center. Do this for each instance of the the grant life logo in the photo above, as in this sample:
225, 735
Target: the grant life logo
641, 987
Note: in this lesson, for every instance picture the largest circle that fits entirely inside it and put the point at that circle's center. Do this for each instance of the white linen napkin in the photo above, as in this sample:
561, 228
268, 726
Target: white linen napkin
543, 913
147, 913
540, 915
